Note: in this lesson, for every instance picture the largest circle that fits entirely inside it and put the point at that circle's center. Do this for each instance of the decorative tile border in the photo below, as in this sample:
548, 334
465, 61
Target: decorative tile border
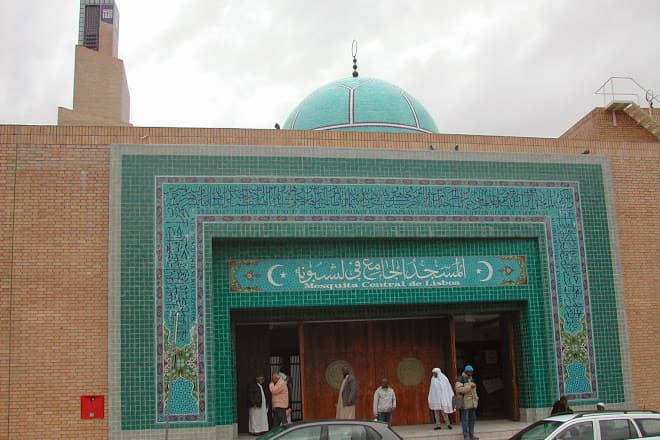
185, 204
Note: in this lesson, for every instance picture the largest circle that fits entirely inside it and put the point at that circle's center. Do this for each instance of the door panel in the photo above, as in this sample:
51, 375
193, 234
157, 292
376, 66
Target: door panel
252, 355
375, 349
509, 364
324, 344
409, 348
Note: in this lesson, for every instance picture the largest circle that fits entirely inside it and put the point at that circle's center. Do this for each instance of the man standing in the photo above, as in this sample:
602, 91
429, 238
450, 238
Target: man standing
347, 396
561, 407
440, 398
287, 381
384, 402
258, 415
280, 393
466, 387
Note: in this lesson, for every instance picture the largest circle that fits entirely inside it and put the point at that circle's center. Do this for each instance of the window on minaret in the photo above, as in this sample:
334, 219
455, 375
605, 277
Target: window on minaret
92, 20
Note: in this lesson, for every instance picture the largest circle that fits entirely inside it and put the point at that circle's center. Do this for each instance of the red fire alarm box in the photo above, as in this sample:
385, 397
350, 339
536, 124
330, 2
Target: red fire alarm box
92, 407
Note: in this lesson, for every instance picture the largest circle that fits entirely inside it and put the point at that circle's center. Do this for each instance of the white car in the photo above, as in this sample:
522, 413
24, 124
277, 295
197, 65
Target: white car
597, 425
333, 430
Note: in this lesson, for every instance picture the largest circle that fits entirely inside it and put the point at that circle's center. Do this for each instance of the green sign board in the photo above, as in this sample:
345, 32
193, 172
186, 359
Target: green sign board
376, 273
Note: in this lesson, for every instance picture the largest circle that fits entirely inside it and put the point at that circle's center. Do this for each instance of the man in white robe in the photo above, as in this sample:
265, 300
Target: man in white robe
441, 394
258, 415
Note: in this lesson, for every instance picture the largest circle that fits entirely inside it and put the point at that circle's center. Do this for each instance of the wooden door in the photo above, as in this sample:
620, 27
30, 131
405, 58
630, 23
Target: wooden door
324, 344
252, 359
451, 372
404, 351
509, 365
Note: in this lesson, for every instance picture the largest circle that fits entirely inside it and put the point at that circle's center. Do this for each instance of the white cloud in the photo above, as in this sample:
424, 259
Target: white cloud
482, 67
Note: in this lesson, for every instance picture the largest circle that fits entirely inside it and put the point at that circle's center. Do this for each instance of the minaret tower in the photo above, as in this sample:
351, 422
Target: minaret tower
100, 89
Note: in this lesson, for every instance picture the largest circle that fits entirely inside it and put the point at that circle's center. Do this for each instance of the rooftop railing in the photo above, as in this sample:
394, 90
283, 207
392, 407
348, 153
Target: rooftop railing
625, 88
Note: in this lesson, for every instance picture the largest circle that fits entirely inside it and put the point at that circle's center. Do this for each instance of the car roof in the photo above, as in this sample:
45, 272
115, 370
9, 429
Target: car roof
376, 425
337, 422
600, 414
560, 417
561, 421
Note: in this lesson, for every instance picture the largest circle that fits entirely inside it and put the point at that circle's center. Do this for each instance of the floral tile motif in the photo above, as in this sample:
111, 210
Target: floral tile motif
185, 204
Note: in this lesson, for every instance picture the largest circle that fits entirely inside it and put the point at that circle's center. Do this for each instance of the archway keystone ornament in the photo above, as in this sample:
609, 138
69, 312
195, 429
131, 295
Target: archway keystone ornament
333, 373
410, 371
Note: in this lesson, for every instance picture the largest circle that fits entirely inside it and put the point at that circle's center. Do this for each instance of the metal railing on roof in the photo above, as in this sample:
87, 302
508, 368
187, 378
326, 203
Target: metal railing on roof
625, 88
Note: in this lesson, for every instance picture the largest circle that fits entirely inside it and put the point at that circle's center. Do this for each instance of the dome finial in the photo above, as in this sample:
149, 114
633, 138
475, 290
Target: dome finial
354, 53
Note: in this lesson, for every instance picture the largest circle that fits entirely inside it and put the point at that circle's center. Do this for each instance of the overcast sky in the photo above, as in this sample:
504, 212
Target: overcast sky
521, 68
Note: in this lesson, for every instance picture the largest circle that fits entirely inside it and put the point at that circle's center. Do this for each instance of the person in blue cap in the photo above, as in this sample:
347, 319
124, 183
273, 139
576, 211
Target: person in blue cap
467, 389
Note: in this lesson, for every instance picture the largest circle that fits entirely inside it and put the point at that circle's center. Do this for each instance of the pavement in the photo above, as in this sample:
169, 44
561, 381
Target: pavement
484, 429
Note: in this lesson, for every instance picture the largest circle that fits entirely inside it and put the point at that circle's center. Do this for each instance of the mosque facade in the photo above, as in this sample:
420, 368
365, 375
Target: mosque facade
149, 274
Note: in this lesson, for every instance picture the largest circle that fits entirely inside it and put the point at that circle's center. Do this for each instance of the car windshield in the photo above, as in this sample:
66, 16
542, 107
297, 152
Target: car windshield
537, 431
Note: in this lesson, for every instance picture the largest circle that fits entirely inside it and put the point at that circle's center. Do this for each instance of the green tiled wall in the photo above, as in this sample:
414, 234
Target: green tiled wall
138, 369
529, 300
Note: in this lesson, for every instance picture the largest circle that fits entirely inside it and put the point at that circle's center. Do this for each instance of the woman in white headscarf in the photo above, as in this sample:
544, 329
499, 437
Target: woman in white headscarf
440, 398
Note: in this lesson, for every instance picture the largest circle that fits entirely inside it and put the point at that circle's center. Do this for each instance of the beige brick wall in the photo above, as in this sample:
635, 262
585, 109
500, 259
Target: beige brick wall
600, 124
637, 198
57, 322
7, 170
58, 291
100, 91
70, 117
107, 40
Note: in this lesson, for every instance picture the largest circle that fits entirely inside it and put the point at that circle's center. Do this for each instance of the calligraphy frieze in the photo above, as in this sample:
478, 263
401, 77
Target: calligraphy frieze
376, 273
185, 204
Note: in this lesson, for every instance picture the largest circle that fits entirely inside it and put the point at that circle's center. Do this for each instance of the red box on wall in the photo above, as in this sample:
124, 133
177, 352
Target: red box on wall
92, 407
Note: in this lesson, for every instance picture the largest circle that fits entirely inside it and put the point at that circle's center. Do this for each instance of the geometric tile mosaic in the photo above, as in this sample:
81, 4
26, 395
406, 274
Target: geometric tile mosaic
185, 204
173, 206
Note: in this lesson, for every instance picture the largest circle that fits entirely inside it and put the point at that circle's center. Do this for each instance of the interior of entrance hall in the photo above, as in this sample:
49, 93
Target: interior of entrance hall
403, 349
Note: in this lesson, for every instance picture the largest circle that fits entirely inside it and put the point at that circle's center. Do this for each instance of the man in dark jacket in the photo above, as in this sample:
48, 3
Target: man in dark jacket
258, 401
347, 396
466, 388
561, 407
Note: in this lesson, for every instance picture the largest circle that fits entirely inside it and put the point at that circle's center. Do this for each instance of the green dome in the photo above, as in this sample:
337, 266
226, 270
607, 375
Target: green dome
361, 104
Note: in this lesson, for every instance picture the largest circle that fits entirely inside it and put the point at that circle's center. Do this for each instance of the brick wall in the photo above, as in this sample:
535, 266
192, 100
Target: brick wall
599, 124
58, 295
100, 91
7, 169
55, 279
107, 41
